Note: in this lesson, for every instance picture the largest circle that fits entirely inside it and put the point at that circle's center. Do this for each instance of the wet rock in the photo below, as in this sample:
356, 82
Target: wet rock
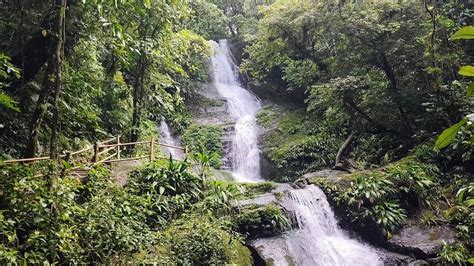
324, 173
266, 198
422, 241
391, 258
273, 250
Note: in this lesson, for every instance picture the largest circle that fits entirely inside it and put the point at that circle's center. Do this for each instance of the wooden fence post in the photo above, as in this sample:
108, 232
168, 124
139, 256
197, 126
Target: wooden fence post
68, 156
118, 147
186, 151
152, 149
96, 152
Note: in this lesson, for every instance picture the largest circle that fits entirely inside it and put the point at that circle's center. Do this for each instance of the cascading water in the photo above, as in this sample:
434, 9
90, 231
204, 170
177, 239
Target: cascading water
167, 138
318, 239
243, 107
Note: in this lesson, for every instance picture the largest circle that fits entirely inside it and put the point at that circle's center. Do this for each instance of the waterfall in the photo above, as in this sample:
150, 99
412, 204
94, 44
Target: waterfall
243, 107
318, 239
167, 138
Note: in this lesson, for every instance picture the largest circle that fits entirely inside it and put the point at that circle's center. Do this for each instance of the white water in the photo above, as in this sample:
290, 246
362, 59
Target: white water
167, 138
243, 107
318, 239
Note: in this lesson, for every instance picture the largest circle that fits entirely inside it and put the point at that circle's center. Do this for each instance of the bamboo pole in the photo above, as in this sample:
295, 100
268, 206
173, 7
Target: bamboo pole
118, 147
126, 159
26, 160
106, 150
107, 158
124, 144
152, 150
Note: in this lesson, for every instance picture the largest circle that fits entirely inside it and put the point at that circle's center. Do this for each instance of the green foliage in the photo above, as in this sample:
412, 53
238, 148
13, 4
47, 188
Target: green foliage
8, 72
205, 139
208, 20
387, 197
219, 197
52, 218
293, 144
454, 254
206, 161
464, 213
125, 63
414, 183
198, 241
449, 135
263, 221
301, 156
358, 67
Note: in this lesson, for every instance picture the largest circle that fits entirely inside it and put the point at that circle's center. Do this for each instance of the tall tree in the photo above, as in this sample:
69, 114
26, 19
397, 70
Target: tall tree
58, 82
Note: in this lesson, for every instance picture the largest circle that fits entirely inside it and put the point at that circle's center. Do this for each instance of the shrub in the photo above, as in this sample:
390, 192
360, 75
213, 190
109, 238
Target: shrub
204, 139
198, 241
370, 199
454, 254
414, 184
302, 155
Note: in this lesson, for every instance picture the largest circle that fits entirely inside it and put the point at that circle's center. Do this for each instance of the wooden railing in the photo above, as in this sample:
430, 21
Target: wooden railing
107, 151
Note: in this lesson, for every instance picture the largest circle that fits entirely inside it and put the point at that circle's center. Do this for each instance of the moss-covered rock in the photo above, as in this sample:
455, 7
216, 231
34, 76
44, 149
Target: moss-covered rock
254, 189
261, 221
291, 145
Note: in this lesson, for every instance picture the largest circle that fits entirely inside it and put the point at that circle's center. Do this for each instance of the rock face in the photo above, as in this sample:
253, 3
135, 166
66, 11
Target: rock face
273, 250
267, 198
421, 241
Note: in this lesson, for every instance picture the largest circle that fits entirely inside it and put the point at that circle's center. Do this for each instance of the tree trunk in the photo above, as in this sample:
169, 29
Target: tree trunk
38, 115
59, 58
339, 165
138, 100
350, 103
395, 93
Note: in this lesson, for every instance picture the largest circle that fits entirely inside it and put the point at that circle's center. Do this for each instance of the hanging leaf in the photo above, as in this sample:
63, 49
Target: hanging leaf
448, 135
470, 89
147, 3
464, 33
467, 71
8, 102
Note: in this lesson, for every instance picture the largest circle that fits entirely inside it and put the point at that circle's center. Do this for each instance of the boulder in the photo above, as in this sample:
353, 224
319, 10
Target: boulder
422, 241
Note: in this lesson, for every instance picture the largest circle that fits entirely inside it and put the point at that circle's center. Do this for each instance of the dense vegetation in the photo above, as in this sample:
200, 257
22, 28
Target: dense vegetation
379, 88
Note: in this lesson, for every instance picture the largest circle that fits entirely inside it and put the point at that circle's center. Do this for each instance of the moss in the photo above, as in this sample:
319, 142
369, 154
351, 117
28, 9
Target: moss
254, 221
266, 117
240, 255
253, 189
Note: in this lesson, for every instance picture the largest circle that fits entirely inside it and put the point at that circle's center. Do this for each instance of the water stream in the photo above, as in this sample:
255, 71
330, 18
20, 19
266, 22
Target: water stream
319, 240
243, 107
167, 138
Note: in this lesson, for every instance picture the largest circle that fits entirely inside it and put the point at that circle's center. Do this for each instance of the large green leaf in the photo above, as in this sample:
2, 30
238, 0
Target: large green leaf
467, 71
449, 135
464, 33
